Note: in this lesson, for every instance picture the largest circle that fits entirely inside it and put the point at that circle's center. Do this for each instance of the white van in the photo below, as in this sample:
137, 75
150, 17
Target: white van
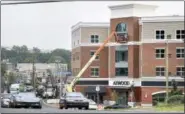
14, 88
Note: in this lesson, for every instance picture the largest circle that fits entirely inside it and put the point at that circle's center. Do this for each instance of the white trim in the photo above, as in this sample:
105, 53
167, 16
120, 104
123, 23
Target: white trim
161, 19
179, 66
96, 79
146, 105
161, 86
161, 78
159, 48
90, 24
128, 6
94, 66
179, 47
154, 93
80, 36
131, 43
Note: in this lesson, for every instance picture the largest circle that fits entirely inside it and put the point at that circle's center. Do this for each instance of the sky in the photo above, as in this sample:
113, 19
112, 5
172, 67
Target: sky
48, 26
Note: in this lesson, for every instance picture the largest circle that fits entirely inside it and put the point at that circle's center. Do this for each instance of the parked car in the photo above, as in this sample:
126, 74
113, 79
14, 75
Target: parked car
26, 100
29, 88
92, 104
48, 93
74, 100
116, 106
5, 101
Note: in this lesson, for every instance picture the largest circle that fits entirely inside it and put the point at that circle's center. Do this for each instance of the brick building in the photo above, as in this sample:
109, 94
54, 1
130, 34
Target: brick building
138, 63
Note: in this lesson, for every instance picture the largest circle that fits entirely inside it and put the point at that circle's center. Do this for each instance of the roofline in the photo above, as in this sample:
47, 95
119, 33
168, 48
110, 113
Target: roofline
172, 18
136, 5
90, 24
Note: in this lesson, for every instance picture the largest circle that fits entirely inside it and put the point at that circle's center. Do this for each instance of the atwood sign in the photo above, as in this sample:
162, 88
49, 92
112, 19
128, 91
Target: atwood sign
119, 83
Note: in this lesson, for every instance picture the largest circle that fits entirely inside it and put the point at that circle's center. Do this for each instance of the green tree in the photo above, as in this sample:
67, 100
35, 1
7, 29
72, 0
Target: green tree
3, 69
11, 77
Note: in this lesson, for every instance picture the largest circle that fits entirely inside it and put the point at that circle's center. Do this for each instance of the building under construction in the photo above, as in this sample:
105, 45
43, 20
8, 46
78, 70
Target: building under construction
147, 52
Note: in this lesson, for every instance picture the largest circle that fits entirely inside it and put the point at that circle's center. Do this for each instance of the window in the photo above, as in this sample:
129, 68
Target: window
121, 27
94, 71
160, 53
121, 56
121, 71
94, 38
180, 71
92, 53
180, 52
180, 34
160, 34
160, 71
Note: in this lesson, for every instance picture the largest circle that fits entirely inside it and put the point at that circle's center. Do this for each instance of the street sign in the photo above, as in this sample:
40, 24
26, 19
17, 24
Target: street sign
97, 88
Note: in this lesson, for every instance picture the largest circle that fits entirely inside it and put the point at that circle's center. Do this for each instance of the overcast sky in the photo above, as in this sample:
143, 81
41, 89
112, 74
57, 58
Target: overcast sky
48, 25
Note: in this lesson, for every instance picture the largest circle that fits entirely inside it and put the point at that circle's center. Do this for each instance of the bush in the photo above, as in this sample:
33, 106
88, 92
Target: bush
176, 92
176, 99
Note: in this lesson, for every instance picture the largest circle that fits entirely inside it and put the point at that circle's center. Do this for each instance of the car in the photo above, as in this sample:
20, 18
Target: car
116, 106
92, 104
29, 88
26, 100
5, 101
74, 100
48, 93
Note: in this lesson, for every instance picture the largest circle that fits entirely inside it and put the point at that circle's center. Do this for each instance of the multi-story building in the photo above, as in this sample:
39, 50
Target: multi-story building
132, 71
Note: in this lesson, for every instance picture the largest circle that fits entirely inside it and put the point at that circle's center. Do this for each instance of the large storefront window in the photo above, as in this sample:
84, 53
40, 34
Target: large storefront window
159, 97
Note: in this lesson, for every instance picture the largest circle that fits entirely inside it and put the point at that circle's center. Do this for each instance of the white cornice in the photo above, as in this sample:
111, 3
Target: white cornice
130, 43
91, 24
161, 19
128, 6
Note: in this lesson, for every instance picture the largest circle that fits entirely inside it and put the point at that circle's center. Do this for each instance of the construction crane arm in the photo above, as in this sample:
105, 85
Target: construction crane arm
71, 85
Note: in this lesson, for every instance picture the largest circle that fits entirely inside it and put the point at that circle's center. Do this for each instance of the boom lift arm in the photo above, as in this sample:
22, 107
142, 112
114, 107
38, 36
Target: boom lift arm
70, 87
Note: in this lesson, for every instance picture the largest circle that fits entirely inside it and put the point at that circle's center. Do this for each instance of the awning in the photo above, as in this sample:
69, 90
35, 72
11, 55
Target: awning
92, 89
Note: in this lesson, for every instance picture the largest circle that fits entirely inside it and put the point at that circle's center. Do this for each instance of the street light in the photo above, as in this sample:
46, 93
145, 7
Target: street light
97, 90
167, 72
132, 90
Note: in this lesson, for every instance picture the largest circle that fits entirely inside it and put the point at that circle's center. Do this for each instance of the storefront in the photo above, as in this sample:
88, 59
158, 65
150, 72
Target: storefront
120, 90
91, 93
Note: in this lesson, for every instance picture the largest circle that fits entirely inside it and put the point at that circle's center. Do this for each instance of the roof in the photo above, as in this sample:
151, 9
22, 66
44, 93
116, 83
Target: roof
128, 6
169, 18
90, 24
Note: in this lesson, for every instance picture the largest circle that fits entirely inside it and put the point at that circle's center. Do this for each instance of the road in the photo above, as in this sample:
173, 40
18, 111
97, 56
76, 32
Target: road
52, 110
47, 109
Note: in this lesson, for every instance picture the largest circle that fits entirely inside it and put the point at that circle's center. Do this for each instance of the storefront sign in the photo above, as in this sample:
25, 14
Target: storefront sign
121, 83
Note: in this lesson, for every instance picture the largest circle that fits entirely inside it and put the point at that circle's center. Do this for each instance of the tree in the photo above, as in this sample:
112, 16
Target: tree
175, 90
11, 78
24, 49
3, 69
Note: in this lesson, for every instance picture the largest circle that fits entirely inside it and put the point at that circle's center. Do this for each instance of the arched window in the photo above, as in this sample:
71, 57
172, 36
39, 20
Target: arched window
121, 27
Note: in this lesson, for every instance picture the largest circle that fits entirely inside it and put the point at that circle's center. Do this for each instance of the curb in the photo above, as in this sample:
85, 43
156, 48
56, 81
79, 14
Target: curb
50, 105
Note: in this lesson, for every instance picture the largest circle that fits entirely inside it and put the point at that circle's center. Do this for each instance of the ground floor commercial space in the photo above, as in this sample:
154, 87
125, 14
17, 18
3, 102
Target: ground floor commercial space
124, 92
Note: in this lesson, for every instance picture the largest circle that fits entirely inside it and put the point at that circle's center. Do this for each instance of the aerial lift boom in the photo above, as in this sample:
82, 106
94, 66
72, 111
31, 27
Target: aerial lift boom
70, 87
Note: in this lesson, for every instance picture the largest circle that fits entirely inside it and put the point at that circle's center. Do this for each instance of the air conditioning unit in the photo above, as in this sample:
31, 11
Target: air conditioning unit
169, 36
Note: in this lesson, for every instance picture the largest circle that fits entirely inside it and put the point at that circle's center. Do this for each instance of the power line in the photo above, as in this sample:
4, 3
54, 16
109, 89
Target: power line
29, 2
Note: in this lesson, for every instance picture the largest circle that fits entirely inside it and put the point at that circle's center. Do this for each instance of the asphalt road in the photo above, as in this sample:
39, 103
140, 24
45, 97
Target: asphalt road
47, 109
52, 110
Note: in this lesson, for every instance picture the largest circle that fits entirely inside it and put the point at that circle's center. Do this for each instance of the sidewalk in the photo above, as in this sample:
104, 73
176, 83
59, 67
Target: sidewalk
50, 105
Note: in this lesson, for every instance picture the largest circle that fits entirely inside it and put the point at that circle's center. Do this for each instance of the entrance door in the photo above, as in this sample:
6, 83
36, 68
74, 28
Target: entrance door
122, 99
92, 97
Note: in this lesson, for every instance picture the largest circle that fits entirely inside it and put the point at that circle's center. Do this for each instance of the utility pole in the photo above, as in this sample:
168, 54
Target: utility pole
33, 70
184, 57
166, 73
